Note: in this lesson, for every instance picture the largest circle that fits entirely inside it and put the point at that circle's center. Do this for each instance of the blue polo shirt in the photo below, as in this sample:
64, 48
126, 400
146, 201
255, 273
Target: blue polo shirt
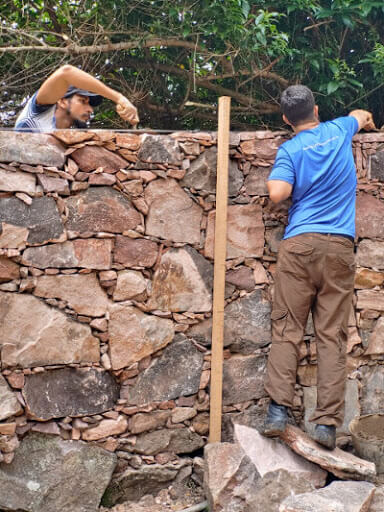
319, 164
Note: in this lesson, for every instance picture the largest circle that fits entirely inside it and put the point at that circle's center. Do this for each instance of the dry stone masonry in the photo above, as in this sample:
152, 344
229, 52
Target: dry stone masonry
106, 272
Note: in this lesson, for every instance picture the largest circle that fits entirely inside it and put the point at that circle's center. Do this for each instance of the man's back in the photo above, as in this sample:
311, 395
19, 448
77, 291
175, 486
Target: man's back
319, 164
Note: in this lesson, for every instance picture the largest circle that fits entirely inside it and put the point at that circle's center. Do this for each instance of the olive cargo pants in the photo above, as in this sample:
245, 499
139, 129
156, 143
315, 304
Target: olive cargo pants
314, 272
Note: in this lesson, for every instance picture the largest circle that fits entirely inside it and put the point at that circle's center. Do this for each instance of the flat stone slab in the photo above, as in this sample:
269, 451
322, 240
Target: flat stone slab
17, 181
92, 253
183, 282
49, 475
336, 497
31, 148
33, 334
101, 209
138, 252
134, 335
69, 392
342, 464
9, 404
271, 455
245, 233
82, 292
169, 206
89, 158
372, 389
42, 218
13, 237
175, 373
181, 440
160, 149
370, 253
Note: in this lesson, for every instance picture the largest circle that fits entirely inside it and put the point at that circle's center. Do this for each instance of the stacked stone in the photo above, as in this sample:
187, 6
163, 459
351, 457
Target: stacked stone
106, 271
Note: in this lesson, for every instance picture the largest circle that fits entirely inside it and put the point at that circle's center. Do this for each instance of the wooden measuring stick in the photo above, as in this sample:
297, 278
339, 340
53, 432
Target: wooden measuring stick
219, 270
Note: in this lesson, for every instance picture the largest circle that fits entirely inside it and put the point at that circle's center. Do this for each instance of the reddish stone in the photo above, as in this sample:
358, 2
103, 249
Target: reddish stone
261, 148
93, 253
50, 184
128, 141
101, 209
245, 234
366, 278
369, 217
72, 136
9, 270
242, 278
31, 148
90, 158
102, 179
138, 252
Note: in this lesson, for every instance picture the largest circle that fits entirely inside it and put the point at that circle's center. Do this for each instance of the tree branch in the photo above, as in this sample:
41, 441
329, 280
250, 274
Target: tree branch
75, 49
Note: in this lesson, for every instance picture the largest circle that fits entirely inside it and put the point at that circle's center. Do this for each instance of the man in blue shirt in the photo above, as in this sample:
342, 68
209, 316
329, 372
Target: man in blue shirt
66, 100
315, 268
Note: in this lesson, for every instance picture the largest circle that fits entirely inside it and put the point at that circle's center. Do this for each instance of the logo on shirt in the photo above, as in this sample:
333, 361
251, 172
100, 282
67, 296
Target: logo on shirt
314, 146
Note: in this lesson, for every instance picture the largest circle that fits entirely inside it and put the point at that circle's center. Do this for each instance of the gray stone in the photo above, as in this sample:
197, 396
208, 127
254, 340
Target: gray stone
49, 474
132, 484
243, 379
376, 166
101, 209
41, 218
69, 392
372, 389
242, 278
256, 181
252, 417
181, 440
247, 324
169, 206
273, 238
33, 334
134, 335
202, 174
273, 488
9, 405
175, 373
90, 253
31, 148
183, 282
352, 406
82, 292
336, 497
160, 149
370, 253
17, 181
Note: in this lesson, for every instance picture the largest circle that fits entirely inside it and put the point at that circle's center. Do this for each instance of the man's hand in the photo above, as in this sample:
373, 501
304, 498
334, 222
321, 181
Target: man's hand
126, 110
365, 120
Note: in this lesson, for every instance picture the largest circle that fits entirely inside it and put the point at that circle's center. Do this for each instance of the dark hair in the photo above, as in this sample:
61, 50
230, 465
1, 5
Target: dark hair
297, 103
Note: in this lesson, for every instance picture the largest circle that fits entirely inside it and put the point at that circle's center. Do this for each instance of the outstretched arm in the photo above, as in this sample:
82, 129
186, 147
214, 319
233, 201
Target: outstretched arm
56, 85
364, 118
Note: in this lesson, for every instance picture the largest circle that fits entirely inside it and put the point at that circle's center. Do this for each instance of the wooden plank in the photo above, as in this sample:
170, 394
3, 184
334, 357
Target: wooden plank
219, 270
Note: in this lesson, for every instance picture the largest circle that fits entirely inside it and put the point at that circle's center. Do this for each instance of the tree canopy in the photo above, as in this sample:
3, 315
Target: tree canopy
173, 58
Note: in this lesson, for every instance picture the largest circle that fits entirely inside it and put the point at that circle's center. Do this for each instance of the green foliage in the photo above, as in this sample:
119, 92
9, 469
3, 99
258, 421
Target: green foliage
249, 49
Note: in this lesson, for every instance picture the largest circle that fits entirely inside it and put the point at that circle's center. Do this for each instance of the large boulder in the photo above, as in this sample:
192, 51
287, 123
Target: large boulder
31, 148
49, 474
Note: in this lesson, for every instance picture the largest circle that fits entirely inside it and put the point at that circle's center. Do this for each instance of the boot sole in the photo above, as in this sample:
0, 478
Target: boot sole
272, 432
330, 445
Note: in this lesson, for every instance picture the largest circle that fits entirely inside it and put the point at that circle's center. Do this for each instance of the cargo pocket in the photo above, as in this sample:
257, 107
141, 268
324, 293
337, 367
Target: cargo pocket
279, 322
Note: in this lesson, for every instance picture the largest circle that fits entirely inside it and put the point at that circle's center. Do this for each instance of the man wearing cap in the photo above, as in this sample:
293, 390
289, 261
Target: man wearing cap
66, 100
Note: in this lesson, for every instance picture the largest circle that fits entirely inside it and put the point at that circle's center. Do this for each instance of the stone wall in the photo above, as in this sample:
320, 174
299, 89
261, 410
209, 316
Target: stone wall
106, 270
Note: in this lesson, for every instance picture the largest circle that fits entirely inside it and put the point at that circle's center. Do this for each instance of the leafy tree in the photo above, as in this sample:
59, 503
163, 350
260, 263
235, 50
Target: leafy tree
173, 58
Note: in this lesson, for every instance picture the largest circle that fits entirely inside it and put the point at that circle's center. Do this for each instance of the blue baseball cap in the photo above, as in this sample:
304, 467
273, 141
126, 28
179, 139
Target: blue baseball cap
94, 99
